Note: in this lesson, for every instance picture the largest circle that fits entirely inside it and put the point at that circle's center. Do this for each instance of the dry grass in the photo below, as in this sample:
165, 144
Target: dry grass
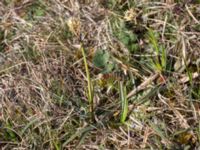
153, 48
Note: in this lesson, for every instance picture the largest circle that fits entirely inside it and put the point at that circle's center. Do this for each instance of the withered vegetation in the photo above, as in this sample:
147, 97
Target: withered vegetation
100, 74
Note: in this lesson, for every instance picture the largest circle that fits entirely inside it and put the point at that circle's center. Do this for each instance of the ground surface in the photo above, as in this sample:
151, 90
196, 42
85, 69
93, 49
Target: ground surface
99, 74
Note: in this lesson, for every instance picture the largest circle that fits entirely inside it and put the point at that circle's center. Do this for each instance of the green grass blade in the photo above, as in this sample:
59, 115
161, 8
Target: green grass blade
90, 88
29, 125
78, 134
124, 102
163, 58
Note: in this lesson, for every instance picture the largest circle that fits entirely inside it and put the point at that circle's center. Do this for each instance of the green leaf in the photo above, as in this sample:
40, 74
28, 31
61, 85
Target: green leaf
133, 37
108, 68
125, 40
101, 58
124, 103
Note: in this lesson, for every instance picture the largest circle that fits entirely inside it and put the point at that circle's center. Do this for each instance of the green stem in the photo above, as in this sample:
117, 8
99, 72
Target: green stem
90, 89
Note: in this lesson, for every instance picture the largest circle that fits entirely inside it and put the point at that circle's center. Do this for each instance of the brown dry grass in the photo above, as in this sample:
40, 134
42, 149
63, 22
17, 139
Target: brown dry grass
43, 84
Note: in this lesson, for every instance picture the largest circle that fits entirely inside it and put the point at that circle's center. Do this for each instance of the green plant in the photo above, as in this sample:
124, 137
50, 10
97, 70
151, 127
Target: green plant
160, 61
104, 61
9, 132
124, 102
90, 86
127, 37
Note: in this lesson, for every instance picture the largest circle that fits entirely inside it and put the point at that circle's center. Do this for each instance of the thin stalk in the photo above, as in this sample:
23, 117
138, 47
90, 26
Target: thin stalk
89, 86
